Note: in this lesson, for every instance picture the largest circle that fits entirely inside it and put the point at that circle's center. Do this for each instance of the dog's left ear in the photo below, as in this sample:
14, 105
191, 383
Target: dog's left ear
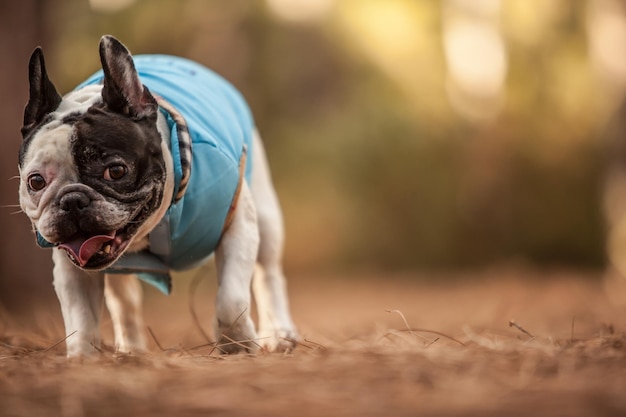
43, 97
123, 91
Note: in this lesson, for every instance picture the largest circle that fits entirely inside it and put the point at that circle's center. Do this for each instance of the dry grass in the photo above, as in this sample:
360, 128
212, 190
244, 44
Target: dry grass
498, 346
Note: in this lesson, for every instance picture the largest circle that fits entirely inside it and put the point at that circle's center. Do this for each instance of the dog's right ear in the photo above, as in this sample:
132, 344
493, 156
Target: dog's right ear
122, 89
43, 98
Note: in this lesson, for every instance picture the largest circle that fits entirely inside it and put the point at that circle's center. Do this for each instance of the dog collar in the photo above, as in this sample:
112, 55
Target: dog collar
184, 147
43, 243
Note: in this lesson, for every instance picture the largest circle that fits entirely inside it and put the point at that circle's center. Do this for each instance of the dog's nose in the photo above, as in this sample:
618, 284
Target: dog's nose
74, 201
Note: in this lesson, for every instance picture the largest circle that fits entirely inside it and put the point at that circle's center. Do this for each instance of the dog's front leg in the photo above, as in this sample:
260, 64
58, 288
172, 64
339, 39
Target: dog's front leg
123, 296
235, 258
80, 295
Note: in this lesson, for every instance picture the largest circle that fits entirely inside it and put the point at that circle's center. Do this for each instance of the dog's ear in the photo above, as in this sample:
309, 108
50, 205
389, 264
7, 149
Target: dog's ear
123, 91
43, 98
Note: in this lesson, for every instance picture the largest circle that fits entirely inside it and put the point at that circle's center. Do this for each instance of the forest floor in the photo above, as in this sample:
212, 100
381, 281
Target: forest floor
508, 342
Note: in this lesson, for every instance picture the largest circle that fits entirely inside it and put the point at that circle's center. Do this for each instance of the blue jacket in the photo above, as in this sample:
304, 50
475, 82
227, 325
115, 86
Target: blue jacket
220, 124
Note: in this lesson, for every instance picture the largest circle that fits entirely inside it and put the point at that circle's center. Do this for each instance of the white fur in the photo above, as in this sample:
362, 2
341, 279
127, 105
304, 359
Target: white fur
255, 235
80, 295
49, 155
123, 295
235, 258
276, 328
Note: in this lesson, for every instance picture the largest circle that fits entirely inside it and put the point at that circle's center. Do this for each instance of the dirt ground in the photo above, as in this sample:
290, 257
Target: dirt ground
495, 343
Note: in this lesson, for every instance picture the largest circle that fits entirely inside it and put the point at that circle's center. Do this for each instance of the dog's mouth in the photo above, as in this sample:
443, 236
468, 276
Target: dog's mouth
95, 251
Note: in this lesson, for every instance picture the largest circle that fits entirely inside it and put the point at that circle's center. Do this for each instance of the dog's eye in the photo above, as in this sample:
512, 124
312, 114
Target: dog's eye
115, 172
36, 182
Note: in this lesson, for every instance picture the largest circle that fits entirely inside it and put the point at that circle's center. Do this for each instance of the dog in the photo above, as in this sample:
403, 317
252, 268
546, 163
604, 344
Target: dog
153, 164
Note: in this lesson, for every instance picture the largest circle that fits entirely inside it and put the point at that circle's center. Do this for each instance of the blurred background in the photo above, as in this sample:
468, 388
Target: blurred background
403, 135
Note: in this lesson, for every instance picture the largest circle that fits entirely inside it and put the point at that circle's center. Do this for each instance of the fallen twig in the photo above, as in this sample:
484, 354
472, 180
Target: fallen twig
56, 343
512, 323
36, 352
414, 330
231, 341
156, 341
428, 345
319, 345
223, 335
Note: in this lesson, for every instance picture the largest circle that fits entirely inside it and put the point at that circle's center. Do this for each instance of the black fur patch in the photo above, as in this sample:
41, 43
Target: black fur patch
72, 118
43, 96
103, 138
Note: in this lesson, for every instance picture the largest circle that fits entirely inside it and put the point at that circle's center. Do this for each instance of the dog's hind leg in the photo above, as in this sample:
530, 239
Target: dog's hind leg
80, 294
235, 260
123, 296
276, 328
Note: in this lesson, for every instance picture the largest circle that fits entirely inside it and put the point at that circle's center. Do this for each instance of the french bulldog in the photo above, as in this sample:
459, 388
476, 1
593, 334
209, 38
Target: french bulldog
153, 164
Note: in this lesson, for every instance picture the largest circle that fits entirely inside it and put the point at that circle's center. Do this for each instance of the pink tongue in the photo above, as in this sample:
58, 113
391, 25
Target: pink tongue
83, 249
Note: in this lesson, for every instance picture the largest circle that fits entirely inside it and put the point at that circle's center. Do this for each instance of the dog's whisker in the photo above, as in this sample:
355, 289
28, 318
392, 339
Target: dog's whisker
10, 206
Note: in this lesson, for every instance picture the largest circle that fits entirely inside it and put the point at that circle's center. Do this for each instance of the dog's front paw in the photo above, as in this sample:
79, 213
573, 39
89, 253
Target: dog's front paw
80, 349
239, 337
278, 340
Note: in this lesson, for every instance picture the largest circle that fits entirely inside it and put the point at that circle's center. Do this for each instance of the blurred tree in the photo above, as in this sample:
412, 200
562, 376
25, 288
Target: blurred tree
23, 269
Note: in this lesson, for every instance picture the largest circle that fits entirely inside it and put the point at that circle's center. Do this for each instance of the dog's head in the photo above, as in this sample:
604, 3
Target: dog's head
92, 170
